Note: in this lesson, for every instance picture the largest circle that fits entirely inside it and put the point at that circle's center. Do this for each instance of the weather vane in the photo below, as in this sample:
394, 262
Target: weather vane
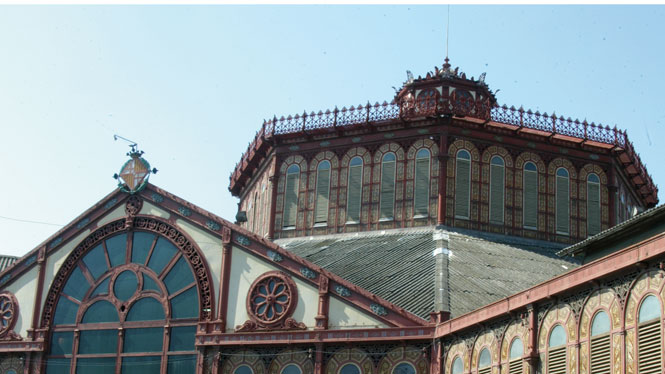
134, 174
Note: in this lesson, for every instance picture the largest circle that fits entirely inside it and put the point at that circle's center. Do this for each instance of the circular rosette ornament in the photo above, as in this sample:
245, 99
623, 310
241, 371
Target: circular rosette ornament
8, 314
272, 299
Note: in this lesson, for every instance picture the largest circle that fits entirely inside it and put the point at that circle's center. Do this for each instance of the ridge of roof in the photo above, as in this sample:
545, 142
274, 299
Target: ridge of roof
614, 230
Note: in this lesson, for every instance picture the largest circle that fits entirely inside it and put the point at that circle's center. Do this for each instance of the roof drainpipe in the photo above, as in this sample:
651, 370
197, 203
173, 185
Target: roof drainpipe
441, 296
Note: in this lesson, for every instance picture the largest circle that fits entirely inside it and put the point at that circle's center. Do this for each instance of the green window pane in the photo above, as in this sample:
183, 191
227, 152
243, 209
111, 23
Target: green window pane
182, 338
150, 284
65, 312
600, 324
101, 311
97, 365
117, 249
161, 255
244, 369
143, 340
291, 369
484, 360
404, 368
185, 305
102, 289
179, 276
98, 341
141, 246
61, 343
349, 369
125, 285
458, 367
650, 309
58, 366
557, 336
181, 364
146, 309
77, 285
95, 261
516, 349
143, 365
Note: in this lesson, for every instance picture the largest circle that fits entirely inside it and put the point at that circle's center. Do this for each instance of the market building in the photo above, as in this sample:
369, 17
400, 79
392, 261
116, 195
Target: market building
437, 233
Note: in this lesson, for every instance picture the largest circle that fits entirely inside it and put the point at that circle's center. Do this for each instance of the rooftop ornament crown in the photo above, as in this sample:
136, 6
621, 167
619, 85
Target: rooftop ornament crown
135, 172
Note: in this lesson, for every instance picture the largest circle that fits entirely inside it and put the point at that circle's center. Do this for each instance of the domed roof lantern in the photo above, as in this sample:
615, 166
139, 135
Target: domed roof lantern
445, 92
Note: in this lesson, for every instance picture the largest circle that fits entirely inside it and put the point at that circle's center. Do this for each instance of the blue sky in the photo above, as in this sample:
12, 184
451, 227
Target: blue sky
192, 84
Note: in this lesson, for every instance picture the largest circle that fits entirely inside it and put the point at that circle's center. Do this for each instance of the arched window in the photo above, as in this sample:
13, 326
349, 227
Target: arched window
556, 352
243, 369
484, 362
458, 367
530, 195
649, 348
497, 189
387, 198
421, 189
593, 204
354, 190
462, 184
562, 202
404, 368
600, 344
291, 195
322, 192
349, 369
130, 304
291, 369
515, 360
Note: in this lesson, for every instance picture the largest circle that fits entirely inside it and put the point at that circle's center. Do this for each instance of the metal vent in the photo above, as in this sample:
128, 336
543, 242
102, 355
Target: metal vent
515, 366
600, 355
556, 362
387, 202
421, 190
462, 186
322, 196
648, 348
485, 370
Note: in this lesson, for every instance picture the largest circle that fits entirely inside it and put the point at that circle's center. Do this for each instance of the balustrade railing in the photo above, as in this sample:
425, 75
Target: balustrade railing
378, 112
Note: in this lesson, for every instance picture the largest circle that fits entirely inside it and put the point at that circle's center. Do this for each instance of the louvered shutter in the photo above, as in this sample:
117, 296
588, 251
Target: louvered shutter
462, 186
530, 199
485, 370
322, 196
421, 190
556, 362
593, 208
515, 366
291, 199
600, 354
562, 205
387, 202
497, 185
354, 193
649, 347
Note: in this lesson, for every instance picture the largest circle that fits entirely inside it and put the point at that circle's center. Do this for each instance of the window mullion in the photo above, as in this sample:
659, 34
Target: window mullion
128, 249
75, 348
168, 266
121, 342
152, 249
165, 348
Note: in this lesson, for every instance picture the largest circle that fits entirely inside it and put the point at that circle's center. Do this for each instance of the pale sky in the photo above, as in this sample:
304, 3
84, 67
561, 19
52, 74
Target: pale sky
192, 84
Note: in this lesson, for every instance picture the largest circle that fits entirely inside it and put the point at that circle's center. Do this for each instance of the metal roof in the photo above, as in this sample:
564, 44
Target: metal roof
398, 265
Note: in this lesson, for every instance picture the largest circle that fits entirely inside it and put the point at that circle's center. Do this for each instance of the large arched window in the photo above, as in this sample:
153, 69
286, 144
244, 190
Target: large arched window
593, 204
130, 304
497, 189
243, 369
484, 362
649, 348
556, 352
387, 198
291, 369
421, 189
530, 195
291, 196
600, 344
458, 367
354, 190
562, 202
462, 184
404, 368
322, 192
515, 360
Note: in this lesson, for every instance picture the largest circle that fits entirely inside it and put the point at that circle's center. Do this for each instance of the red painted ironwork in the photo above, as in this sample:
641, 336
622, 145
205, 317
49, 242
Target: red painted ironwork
8, 316
413, 109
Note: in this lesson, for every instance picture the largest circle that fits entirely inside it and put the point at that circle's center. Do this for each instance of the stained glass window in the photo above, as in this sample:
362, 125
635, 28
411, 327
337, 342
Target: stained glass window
117, 297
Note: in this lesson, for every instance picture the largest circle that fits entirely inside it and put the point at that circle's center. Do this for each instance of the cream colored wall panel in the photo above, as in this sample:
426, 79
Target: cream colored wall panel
308, 304
24, 289
55, 260
344, 316
116, 213
211, 247
151, 210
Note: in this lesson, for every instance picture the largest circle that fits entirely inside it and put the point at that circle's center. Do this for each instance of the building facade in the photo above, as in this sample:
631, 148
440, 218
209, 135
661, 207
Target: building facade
438, 233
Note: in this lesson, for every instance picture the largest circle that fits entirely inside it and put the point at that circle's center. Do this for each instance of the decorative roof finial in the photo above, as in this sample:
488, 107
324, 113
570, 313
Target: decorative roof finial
446, 65
134, 173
